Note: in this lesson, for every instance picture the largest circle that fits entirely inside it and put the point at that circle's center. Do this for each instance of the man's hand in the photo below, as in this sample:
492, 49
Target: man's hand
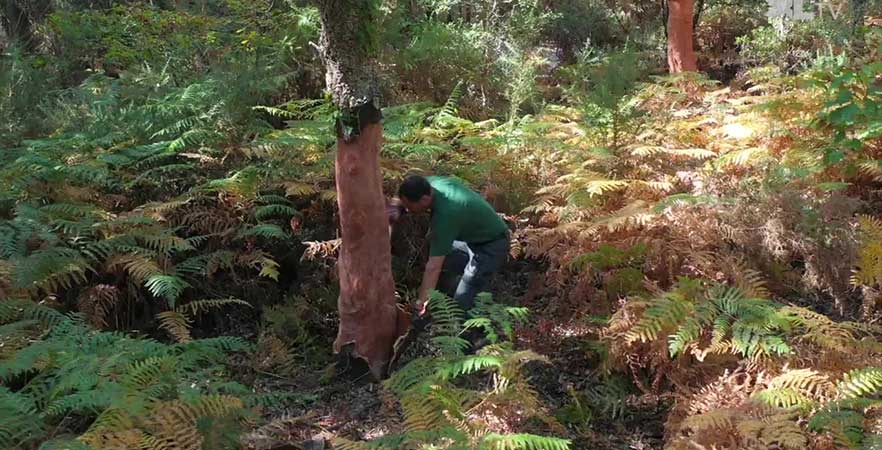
394, 210
422, 308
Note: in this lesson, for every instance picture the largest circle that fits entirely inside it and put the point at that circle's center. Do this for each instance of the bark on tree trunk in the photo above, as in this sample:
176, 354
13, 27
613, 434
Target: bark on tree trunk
370, 321
369, 317
681, 53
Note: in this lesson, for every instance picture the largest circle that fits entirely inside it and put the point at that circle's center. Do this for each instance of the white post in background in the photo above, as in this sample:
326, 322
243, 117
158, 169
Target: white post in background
790, 9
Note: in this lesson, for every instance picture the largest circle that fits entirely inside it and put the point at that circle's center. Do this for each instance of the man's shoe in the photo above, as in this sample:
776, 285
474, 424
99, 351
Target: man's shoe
476, 340
479, 343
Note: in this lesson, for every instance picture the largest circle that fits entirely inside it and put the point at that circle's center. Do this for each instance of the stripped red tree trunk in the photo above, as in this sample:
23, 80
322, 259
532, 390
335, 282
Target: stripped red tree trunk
681, 53
370, 320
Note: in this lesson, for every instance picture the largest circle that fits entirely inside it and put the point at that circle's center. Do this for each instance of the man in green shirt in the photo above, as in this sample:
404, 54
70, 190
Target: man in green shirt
468, 239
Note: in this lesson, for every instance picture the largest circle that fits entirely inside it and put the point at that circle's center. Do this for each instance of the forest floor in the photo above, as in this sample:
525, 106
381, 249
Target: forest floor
356, 407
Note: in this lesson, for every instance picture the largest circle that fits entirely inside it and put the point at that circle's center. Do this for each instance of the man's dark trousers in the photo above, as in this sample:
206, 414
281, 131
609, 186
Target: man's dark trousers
469, 267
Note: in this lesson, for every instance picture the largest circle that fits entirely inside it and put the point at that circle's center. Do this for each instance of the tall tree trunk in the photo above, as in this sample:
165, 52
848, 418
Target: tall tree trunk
681, 53
370, 320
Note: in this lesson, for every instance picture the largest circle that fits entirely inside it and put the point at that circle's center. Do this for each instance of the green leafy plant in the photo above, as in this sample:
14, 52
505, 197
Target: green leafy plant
122, 390
438, 408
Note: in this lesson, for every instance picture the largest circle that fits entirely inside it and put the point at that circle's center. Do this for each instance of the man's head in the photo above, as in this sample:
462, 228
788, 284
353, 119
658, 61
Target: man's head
415, 193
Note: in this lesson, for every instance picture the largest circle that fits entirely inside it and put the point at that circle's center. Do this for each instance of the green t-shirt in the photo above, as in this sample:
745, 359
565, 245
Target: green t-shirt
460, 214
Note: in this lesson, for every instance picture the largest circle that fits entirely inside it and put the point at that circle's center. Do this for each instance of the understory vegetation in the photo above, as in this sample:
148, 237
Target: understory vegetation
696, 258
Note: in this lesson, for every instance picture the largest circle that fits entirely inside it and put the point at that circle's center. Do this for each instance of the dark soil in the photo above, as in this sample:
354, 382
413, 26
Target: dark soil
350, 404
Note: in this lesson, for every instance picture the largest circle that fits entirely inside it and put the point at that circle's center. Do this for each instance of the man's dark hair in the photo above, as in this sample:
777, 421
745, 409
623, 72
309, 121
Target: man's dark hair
414, 188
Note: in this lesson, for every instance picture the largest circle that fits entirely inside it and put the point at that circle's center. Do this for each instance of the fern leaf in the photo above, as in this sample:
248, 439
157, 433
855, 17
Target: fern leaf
197, 307
275, 210
860, 383
665, 313
782, 397
467, 365
176, 324
524, 442
264, 230
168, 287
600, 187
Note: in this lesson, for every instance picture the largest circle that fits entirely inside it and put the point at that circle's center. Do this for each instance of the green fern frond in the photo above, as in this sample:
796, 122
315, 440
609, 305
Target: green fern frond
197, 307
277, 399
845, 424
447, 316
524, 442
413, 374
176, 324
860, 383
451, 345
51, 269
783, 398
275, 210
804, 380
450, 108
276, 112
144, 373
467, 365
168, 287
264, 230
489, 315
664, 313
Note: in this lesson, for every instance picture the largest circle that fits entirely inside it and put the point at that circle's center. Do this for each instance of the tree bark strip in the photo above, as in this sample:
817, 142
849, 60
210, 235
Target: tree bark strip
370, 321
681, 52
368, 314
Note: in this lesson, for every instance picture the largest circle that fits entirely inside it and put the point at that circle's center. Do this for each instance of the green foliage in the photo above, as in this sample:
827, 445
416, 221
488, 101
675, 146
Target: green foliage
721, 318
436, 408
861, 382
608, 257
489, 317
123, 388
794, 45
129, 185
853, 111
603, 399
603, 85
159, 160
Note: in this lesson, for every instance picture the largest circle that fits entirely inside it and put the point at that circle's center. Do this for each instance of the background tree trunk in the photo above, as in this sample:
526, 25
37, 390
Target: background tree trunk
17, 24
681, 53
370, 321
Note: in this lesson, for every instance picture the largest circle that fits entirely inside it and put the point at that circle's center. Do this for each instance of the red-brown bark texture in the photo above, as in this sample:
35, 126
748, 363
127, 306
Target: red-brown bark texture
370, 320
369, 317
681, 53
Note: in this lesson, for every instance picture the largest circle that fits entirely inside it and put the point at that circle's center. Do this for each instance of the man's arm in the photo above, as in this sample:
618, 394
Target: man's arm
430, 280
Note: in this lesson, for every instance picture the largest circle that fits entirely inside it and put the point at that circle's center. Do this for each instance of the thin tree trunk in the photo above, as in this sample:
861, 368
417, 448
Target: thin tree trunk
858, 12
370, 321
681, 53
17, 24
696, 16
